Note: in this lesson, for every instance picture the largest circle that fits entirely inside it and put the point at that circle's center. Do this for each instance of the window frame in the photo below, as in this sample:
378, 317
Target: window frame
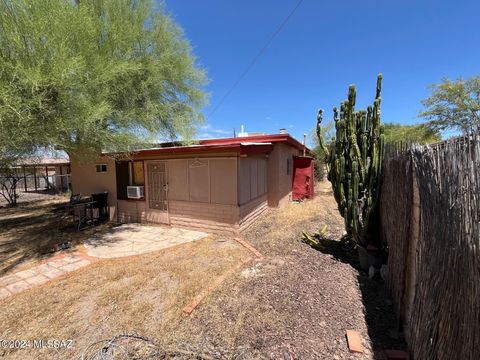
101, 166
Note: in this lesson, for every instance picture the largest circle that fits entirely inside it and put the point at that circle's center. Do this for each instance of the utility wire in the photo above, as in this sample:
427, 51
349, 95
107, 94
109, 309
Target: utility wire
257, 57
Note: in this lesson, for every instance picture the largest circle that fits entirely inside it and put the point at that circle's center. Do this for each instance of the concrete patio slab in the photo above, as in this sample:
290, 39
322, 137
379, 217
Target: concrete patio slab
136, 239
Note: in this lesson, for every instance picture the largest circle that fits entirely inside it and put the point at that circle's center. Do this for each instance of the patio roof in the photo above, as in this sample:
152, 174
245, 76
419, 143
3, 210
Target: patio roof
46, 161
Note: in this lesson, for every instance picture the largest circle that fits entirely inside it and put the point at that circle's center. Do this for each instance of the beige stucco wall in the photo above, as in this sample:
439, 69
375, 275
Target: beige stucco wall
250, 211
207, 180
131, 211
86, 180
215, 218
252, 178
279, 181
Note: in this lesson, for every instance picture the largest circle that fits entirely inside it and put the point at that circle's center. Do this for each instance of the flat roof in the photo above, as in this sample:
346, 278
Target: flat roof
249, 145
273, 138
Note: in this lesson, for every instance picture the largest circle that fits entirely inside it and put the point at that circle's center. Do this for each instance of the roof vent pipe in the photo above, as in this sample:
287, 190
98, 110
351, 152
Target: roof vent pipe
283, 131
242, 133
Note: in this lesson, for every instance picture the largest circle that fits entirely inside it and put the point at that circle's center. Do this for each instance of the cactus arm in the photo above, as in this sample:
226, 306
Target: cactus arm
323, 148
355, 162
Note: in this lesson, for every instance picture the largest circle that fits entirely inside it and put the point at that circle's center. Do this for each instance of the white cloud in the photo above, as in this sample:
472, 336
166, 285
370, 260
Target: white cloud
210, 129
207, 131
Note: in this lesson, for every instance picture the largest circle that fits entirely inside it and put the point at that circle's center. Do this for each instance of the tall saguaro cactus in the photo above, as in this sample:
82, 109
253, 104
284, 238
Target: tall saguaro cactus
354, 162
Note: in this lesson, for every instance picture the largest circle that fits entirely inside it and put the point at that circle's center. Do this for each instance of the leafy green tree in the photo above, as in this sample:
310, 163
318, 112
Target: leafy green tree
454, 105
420, 133
86, 75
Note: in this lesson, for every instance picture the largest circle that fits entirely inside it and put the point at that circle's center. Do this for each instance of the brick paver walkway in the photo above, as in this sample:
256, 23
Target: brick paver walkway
37, 275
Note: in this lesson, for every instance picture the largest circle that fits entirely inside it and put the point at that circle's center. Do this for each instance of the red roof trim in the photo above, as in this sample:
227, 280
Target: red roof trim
242, 149
188, 149
255, 149
258, 139
249, 145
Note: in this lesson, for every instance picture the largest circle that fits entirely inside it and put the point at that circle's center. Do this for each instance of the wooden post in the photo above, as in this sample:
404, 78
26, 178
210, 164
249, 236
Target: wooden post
35, 177
69, 171
24, 178
304, 144
411, 266
46, 176
61, 177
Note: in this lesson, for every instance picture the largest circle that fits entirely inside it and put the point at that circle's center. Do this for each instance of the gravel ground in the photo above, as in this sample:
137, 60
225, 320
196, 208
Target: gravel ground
26, 197
297, 303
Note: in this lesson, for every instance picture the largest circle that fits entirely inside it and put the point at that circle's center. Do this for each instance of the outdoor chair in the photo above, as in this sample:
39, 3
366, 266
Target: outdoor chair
79, 212
100, 203
83, 212
75, 198
67, 208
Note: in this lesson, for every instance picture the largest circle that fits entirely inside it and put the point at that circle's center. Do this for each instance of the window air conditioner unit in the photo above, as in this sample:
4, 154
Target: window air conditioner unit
135, 192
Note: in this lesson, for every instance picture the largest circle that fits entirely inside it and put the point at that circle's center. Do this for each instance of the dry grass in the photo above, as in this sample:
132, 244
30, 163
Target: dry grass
276, 306
294, 303
144, 294
289, 221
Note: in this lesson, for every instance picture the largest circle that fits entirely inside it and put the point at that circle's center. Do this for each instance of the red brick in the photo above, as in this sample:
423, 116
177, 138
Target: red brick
354, 341
250, 247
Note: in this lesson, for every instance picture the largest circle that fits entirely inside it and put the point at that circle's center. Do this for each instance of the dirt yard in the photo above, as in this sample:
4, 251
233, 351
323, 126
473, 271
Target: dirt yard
295, 303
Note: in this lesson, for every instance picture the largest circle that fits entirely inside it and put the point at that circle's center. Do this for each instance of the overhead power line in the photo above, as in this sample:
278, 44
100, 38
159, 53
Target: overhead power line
257, 56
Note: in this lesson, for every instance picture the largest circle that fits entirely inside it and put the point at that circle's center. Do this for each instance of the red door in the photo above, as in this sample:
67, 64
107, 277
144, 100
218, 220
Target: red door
302, 182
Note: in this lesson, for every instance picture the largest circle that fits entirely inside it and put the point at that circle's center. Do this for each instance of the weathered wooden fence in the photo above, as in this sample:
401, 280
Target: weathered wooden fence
430, 218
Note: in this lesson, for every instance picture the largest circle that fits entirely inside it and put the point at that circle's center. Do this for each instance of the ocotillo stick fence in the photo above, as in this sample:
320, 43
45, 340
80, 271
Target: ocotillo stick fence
430, 218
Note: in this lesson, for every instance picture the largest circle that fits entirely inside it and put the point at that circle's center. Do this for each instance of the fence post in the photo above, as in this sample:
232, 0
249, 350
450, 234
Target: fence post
411, 261
46, 176
35, 177
24, 178
61, 177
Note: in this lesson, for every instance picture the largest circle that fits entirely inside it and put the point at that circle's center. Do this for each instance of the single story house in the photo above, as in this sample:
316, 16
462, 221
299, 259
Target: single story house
217, 185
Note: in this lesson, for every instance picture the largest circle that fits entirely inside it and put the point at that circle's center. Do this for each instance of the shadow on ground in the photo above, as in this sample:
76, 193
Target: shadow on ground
29, 232
383, 325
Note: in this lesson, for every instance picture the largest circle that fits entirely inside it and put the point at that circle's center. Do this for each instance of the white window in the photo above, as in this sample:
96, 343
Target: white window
101, 168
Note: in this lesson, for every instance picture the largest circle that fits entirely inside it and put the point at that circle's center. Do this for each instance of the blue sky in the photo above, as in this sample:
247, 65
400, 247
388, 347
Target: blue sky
325, 46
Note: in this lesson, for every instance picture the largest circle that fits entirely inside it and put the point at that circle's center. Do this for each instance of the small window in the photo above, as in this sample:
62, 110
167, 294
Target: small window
101, 168
137, 174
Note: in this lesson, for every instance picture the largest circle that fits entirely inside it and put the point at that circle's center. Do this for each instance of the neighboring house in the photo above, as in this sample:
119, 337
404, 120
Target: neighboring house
44, 173
218, 185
